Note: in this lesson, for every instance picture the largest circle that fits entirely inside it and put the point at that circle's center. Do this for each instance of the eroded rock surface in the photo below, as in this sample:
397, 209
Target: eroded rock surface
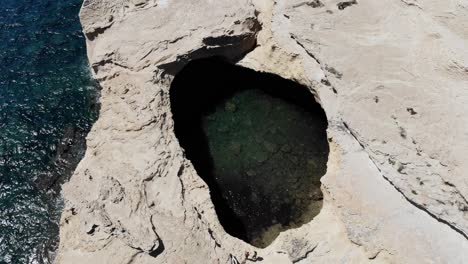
391, 76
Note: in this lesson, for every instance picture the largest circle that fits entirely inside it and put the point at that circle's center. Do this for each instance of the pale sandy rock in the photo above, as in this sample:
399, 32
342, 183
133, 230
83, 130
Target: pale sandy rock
391, 75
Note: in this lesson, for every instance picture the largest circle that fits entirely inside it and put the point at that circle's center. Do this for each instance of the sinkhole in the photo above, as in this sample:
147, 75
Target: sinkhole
259, 141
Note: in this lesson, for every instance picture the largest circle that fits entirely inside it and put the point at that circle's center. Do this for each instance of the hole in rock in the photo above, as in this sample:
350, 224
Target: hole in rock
259, 141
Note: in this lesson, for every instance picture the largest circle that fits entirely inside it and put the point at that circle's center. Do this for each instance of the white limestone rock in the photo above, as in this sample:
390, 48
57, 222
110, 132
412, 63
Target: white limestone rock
392, 76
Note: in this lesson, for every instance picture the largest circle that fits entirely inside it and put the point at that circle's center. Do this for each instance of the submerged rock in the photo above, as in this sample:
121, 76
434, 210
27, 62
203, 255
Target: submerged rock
236, 148
271, 147
230, 107
254, 181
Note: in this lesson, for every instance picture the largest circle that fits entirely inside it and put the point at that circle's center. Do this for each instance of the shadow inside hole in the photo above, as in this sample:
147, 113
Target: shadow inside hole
259, 141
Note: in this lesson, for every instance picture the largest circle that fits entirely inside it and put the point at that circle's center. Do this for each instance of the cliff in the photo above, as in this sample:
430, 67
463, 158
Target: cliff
391, 75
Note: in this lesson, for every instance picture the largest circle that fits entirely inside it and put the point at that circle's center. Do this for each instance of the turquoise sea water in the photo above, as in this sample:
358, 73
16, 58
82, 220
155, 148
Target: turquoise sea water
47, 105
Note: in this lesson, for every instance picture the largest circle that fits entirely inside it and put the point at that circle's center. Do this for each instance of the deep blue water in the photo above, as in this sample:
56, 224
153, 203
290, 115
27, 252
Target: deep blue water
47, 105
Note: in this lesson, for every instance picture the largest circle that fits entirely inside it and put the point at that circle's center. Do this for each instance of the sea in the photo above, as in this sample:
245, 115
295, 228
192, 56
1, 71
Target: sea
48, 103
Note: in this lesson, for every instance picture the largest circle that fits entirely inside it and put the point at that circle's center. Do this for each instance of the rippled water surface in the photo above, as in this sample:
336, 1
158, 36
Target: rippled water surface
47, 105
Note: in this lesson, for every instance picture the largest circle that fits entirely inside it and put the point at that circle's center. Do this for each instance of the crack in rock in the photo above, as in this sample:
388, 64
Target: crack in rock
421, 207
306, 254
325, 80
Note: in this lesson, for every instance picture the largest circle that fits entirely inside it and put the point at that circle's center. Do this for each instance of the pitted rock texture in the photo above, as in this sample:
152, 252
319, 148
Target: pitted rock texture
391, 76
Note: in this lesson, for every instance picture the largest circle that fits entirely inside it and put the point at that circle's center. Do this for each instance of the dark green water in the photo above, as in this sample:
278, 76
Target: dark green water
258, 140
47, 105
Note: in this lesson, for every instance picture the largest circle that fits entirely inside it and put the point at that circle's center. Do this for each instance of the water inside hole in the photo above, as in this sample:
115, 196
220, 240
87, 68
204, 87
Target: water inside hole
259, 142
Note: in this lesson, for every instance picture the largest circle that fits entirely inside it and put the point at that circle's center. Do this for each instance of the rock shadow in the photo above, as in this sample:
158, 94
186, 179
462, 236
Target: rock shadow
258, 140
